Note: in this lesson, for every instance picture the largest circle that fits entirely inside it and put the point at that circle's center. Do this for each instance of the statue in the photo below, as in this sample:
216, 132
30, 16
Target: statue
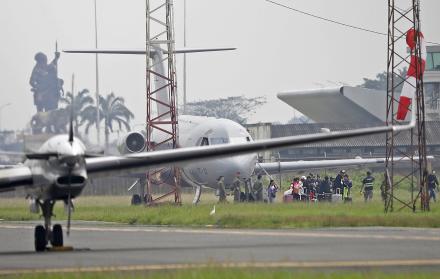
46, 85
50, 122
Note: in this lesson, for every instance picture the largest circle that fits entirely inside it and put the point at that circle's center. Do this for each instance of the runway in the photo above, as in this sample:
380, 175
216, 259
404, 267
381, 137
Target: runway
101, 247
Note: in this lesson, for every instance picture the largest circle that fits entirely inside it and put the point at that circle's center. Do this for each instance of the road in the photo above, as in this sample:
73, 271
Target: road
113, 247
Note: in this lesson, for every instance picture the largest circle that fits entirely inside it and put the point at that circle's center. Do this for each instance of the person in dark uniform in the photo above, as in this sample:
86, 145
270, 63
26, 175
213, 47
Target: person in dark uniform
258, 189
347, 184
432, 186
367, 187
221, 189
236, 187
337, 183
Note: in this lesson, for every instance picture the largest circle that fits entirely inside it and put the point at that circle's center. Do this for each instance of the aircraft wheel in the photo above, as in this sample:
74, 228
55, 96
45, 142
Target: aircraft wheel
136, 199
57, 236
148, 198
40, 238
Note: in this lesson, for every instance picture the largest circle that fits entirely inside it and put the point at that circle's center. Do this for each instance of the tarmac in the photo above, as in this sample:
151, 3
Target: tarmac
111, 247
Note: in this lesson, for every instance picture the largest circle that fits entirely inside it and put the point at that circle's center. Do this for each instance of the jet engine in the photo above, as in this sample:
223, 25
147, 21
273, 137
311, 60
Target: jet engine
133, 142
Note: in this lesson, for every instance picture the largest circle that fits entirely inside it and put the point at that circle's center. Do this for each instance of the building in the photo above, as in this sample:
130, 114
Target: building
365, 147
432, 83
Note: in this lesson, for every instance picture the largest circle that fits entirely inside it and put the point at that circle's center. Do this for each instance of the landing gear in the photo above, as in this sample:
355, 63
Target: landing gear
57, 236
40, 238
136, 199
45, 234
197, 194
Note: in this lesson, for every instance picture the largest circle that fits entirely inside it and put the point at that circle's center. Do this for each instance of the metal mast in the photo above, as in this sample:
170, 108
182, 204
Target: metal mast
160, 35
98, 117
399, 22
184, 57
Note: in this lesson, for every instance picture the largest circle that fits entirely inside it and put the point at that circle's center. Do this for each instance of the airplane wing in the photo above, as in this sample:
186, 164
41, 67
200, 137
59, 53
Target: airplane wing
14, 176
21, 175
282, 167
141, 161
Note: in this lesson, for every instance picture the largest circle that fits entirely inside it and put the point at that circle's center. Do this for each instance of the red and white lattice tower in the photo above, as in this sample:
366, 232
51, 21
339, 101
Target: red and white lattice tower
406, 49
161, 87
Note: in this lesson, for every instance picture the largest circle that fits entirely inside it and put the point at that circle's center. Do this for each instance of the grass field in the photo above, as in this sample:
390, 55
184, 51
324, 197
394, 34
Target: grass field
278, 215
216, 273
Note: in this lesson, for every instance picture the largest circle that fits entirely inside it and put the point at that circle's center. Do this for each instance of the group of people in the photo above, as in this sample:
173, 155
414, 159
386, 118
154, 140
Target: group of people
253, 192
311, 188
314, 188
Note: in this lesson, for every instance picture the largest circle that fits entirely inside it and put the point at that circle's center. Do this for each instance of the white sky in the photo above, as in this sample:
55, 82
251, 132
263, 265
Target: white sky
277, 50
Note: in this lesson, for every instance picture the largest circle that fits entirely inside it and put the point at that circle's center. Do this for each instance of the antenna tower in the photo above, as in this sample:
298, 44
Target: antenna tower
397, 197
160, 35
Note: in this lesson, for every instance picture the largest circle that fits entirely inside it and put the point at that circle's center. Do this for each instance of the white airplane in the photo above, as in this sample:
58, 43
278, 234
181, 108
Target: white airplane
60, 169
202, 131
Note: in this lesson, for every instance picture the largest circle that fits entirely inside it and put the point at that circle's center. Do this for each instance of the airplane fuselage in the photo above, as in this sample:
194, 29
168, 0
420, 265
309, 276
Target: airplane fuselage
203, 131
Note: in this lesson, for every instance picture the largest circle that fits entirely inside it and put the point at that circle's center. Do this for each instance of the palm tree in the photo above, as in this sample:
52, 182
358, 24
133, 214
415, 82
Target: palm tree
111, 109
81, 101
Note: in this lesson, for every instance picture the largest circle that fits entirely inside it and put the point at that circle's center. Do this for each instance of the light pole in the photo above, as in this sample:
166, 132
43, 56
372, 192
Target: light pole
97, 79
1, 109
184, 57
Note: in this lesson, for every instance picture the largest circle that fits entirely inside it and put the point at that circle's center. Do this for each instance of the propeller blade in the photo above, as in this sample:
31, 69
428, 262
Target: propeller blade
69, 213
40, 156
69, 204
72, 105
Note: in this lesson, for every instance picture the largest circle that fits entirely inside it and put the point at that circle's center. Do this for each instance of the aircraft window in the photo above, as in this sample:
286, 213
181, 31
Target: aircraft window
214, 141
436, 61
204, 142
429, 61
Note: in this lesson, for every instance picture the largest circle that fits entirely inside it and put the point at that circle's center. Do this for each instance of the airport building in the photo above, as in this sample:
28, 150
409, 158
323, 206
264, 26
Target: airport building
348, 107
432, 83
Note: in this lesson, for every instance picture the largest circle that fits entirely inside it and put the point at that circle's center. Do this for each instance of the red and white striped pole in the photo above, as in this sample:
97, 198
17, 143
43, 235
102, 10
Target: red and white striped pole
415, 72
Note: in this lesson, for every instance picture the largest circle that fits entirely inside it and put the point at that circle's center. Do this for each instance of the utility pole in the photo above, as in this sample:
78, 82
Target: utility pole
184, 57
98, 117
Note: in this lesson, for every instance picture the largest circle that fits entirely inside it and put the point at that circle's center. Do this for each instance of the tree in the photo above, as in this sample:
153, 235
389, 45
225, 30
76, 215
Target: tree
111, 110
380, 82
300, 120
80, 102
235, 108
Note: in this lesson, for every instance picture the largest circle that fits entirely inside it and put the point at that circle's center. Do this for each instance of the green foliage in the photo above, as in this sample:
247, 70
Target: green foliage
380, 82
111, 110
234, 108
80, 102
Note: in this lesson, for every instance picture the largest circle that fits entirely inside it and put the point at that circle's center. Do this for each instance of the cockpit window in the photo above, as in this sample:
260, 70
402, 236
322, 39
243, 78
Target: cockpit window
215, 141
204, 142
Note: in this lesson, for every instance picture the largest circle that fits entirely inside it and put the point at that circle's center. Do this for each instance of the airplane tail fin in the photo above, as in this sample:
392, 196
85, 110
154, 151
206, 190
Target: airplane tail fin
156, 55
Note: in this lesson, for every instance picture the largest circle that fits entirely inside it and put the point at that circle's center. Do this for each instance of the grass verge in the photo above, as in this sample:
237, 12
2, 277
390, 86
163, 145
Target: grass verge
293, 215
215, 273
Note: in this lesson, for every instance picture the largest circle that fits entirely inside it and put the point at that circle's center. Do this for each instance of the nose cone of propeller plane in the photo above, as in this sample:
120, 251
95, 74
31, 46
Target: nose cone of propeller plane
72, 150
